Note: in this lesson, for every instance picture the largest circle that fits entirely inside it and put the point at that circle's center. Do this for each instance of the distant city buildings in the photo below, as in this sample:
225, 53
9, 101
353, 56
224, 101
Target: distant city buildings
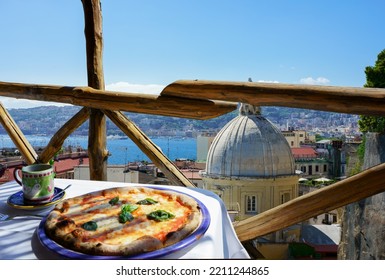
324, 124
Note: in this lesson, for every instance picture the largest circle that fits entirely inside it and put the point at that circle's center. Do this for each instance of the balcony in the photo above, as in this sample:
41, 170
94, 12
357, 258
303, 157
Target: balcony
194, 99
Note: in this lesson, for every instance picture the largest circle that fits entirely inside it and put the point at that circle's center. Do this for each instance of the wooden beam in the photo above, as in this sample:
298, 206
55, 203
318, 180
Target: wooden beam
352, 189
149, 149
59, 137
17, 136
97, 137
120, 101
351, 100
97, 142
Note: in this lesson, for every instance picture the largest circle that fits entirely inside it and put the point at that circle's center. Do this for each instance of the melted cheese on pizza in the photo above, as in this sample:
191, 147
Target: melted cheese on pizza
110, 230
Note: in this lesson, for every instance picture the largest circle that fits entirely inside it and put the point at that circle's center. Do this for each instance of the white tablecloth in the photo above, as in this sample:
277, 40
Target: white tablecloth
19, 238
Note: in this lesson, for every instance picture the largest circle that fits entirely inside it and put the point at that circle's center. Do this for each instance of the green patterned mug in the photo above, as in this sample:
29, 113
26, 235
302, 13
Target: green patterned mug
37, 181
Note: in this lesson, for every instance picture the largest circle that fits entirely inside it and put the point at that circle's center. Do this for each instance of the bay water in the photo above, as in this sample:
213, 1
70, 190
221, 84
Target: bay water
122, 150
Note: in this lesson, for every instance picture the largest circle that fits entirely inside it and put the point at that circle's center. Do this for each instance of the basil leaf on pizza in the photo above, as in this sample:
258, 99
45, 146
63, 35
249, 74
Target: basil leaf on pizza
91, 225
148, 219
147, 201
125, 214
114, 200
125, 217
129, 208
160, 215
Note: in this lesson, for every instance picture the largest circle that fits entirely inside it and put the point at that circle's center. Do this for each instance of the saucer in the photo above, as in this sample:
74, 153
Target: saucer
17, 201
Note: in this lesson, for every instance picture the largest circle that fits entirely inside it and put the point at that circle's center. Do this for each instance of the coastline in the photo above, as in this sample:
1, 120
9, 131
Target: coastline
122, 149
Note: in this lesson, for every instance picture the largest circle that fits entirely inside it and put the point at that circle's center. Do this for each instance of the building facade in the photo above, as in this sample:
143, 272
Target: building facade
298, 138
204, 141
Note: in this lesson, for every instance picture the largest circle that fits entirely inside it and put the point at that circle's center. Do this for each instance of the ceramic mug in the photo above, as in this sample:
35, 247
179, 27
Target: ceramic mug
37, 181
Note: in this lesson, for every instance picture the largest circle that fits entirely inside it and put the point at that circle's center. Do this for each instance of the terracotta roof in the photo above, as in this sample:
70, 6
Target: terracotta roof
191, 174
68, 164
304, 152
183, 164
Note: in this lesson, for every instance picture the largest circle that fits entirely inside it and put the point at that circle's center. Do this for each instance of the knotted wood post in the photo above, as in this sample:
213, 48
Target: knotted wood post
97, 138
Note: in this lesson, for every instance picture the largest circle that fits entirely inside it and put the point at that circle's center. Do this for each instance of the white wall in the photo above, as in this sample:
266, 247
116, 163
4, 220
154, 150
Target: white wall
114, 174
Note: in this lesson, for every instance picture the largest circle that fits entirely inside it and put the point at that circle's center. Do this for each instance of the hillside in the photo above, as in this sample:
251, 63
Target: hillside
48, 119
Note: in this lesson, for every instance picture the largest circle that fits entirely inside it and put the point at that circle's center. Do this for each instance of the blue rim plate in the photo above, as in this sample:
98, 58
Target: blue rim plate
17, 201
189, 240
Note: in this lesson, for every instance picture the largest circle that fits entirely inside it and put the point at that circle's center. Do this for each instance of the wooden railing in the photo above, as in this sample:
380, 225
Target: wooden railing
196, 100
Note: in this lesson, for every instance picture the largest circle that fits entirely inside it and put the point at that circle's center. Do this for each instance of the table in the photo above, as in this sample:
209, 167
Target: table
19, 238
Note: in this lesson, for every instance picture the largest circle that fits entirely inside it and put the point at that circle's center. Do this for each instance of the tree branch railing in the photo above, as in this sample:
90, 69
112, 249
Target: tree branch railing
349, 100
17, 136
59, 137
142, 103
149, 148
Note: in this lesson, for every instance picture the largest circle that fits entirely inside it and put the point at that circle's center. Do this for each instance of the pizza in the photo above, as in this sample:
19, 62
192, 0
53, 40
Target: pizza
123, 221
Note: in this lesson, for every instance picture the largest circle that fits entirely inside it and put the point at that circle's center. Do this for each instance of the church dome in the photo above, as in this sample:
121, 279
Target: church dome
249, 146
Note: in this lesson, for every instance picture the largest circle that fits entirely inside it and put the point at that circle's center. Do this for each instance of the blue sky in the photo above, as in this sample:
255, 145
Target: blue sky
149, 44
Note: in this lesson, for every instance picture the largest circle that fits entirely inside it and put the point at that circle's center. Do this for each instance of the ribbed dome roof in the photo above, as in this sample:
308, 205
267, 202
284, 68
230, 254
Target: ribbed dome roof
249, 146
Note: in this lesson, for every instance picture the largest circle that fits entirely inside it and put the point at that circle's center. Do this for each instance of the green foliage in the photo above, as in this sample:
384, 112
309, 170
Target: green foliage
375, 77
371, 124
360, 155
318, 137
361, 149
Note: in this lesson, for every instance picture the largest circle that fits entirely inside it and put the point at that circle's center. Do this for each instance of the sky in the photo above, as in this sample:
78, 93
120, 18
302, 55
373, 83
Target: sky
150, 44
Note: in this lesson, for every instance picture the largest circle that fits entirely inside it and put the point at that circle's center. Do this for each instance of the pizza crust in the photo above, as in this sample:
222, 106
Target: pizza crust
141, 235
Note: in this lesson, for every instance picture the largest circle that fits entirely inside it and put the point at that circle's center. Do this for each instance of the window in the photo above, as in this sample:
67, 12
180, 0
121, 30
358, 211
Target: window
251, 204
285, 197
316, 168
330, 218
325, 168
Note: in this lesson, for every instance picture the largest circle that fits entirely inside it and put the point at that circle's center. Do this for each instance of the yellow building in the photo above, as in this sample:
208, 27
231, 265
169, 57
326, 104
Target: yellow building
298, 138
250, 165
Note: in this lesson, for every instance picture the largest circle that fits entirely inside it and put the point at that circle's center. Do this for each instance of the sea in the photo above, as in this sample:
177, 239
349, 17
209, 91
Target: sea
122, 150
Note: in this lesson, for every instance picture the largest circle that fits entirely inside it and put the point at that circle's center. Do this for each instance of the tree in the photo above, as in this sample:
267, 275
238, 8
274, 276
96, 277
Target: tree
375, 77
362, 224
